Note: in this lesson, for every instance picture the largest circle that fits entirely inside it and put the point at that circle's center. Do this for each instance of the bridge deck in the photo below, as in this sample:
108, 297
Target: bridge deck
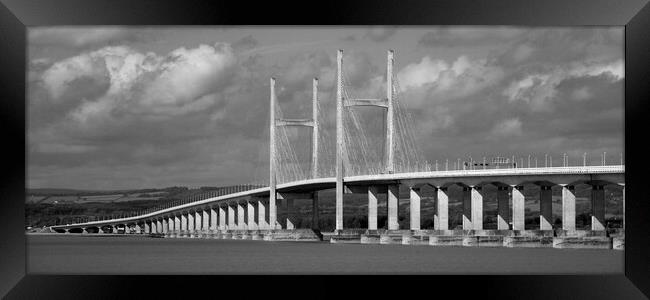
310, 185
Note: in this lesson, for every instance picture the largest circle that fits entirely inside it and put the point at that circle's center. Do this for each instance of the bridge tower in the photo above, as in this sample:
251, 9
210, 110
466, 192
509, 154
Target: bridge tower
275, 122
386, 103
272, 179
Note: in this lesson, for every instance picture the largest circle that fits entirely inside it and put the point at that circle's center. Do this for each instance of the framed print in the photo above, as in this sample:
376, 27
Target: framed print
301, 138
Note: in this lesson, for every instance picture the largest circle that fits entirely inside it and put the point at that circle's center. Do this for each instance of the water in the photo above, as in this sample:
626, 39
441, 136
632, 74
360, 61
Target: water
144, 255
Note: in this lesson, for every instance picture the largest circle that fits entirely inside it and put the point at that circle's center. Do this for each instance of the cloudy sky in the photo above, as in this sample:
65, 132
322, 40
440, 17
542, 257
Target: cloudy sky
138, 107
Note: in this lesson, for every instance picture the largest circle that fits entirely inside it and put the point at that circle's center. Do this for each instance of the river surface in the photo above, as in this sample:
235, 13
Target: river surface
58, 254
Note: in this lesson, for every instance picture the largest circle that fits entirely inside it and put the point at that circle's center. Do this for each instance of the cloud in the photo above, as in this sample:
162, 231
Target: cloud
539, 90
79, 37
181, 82
507, 128
469, 36
245, 43
95, 66
557, 46
446, 81
581, 94
188, 77
417, 75
380, 33
63, 148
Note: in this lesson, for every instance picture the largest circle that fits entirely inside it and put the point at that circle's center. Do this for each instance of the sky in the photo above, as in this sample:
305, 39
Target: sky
152, 107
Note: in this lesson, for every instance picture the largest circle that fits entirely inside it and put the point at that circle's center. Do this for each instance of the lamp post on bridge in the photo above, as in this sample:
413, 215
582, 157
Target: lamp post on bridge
545, 160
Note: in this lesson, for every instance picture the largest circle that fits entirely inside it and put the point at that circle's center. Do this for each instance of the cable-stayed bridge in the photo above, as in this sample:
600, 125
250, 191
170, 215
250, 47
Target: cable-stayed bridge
360, 162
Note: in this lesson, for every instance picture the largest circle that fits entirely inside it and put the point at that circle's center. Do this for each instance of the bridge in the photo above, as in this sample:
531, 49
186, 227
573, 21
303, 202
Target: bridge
251, 212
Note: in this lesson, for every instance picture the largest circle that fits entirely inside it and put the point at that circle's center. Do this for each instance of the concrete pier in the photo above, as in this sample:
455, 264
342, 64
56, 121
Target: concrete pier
226, 234
231, 218
222, 218
569, 242
370, 237
545, 208
503, 208
184, 232
205, 227
477, 207
568, 207
446, 240
415, 237
528, 241
257, 235
214, 221
373, 193
442, 211
315, 218
414, 207
165, 226
261, 215
190, 225
241, 217
298, 235
467, 208
392, 237
289, 209
177, 226
198, 224
250, 216
393, 207
518, 207
618, 243
598, 207
346, 236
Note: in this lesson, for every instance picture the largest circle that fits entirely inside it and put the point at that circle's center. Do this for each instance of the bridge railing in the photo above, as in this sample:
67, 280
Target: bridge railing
483, 163
202, 194
194, 195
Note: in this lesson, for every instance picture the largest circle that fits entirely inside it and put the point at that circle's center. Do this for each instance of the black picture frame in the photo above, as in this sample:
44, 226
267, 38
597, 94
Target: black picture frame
15, 15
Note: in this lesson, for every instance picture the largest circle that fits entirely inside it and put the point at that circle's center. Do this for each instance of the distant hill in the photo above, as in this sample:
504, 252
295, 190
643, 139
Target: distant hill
62, 191
55, 191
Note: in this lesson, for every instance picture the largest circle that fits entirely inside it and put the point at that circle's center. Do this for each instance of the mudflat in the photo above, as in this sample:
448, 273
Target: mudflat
59, 254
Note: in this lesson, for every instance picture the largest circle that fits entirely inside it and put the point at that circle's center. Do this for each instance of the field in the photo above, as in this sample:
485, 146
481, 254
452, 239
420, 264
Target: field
99, 198
35, 199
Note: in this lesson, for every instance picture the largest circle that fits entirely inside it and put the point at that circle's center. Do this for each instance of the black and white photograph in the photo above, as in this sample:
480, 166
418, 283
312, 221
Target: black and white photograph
325, 150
